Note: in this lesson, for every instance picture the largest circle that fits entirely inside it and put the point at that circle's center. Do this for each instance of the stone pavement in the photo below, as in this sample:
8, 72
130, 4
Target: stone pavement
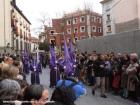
88, 99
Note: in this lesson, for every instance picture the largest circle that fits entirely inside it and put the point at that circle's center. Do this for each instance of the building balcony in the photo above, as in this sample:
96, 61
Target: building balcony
15, 30
12, 23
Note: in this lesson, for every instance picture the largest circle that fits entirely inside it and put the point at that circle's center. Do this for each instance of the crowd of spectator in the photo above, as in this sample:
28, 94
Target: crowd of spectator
15, 90
116, 73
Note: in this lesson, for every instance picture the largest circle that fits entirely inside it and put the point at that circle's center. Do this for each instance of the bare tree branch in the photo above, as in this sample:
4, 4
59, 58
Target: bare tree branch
45, 22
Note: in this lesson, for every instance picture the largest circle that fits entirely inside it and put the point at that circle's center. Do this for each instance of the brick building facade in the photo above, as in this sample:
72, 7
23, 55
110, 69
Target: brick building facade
77, 25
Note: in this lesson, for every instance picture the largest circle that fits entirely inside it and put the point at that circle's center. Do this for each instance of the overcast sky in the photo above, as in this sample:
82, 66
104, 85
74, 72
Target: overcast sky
35, 9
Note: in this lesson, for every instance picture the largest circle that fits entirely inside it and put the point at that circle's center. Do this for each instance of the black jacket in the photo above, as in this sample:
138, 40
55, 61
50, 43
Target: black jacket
98, 70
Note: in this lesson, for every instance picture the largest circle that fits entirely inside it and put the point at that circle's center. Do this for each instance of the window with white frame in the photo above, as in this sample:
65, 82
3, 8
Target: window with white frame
82, 19
93, 18
93, 28
69, 31
75, 30
99, 29
109, 29
82, 29
108, 17
99, 20
75, 21
68, 22
52, 41
20, 23
52, 32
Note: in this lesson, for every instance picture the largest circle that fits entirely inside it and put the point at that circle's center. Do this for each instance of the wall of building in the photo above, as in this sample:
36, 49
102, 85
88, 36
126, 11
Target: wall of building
123, 42
8, 23
22, 33
126, 15
108, 10
126, 10
59, 30
5, 23
138, 2
2, 22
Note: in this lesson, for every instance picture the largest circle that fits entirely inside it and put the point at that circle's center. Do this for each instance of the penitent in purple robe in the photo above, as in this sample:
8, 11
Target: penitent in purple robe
54, 71
35, 79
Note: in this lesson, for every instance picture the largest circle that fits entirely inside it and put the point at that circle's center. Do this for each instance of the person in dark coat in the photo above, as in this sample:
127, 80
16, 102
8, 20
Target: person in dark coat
124, 76
25, 66
45, 60
100, 72
35, 79
89, 71
54, 76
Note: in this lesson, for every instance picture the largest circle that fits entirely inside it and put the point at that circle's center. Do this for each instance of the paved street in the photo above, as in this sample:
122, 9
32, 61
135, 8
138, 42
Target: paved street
88, 99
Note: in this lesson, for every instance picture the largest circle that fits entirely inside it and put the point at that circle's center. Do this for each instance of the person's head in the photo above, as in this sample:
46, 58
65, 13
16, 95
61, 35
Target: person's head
68, 94
91, 57
8, 60
133, 58
106, 57
126, 57
102, 57
37, 94
16, 63
23, 84
95, 57
119, 55
15, 71
94, 53
5, 71
112, 53
63, 96
9, 90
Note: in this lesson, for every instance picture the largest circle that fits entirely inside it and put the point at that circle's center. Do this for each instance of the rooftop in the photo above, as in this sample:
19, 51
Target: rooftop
80, 12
